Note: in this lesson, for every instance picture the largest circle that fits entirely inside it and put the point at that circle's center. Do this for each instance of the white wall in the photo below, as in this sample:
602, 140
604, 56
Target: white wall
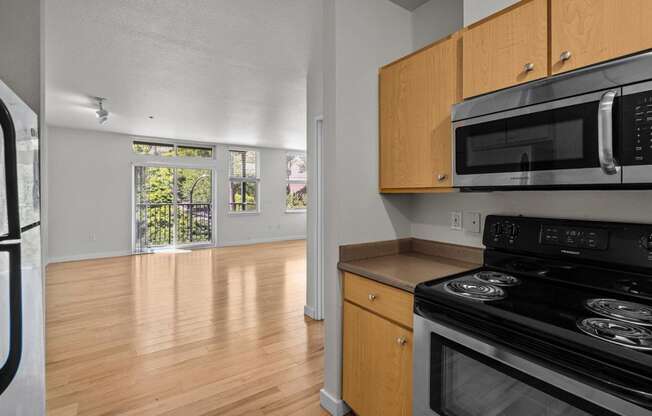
20, 49
360, 36
435, 20
430, 214
87, 220
475, 10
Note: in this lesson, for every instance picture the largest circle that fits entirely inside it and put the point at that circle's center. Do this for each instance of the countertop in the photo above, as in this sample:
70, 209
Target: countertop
406, 263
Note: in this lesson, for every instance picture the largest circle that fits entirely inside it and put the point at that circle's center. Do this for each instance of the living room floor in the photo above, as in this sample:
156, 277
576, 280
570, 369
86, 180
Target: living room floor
208, 332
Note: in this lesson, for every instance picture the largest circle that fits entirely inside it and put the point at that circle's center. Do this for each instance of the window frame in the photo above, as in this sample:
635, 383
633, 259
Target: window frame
242, 179
289, 181
175, 144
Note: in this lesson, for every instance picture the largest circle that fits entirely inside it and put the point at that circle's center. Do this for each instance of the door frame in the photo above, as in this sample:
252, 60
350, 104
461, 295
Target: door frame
316, 224
175, 164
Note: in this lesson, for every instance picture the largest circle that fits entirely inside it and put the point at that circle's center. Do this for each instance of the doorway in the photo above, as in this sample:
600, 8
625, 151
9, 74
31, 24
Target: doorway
173, 207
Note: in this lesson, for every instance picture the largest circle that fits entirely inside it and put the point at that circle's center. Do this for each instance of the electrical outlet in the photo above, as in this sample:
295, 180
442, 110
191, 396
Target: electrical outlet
456, 220
472, 221
92, 237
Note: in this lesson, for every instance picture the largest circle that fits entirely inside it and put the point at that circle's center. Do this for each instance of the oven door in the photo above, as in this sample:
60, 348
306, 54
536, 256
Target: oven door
459, 375
559, 143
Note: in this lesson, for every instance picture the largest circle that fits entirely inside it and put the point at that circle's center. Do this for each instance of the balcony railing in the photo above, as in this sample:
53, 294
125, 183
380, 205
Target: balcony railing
155, 224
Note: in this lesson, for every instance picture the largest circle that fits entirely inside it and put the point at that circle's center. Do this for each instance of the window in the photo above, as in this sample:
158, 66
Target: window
153, 149
243, 178
170, 149
296, 191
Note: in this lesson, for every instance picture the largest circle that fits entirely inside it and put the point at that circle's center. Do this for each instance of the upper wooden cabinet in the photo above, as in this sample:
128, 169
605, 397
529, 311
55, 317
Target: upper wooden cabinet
416, 95
507, 48
585, 32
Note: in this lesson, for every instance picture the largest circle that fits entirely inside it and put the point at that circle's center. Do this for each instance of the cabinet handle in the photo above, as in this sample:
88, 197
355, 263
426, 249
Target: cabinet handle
372, 297
401, 341
528, 67
565, 56
442, 177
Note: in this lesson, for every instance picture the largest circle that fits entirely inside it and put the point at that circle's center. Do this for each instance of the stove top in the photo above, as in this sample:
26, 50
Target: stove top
575, 293
569, 307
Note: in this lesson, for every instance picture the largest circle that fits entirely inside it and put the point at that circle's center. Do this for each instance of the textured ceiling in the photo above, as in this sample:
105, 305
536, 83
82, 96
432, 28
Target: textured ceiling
410, 4
215, 70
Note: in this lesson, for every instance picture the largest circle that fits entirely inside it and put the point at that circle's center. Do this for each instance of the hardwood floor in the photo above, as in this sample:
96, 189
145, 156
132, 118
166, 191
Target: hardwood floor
211, 332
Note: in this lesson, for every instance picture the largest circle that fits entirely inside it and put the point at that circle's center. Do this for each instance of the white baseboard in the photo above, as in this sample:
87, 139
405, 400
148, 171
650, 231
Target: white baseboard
90, 256
262, 240
309, 312
335, 407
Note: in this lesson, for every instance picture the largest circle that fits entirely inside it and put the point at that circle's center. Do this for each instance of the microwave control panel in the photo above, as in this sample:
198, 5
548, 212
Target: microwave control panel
637, 129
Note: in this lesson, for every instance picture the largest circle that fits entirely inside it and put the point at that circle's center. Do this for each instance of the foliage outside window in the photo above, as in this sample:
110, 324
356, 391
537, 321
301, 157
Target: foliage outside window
170, 150
296, 191
243, 178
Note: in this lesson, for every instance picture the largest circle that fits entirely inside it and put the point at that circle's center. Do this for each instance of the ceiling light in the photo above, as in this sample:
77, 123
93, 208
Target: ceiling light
102, 114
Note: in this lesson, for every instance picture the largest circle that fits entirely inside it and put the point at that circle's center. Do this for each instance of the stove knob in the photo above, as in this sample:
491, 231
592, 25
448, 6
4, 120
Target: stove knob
646, 242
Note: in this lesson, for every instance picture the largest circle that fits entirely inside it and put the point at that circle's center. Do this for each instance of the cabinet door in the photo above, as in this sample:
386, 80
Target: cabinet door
506, 49
377, 366
416, 95
585, 32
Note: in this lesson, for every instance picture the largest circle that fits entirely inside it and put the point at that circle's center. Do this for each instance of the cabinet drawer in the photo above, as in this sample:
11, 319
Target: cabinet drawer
391, 303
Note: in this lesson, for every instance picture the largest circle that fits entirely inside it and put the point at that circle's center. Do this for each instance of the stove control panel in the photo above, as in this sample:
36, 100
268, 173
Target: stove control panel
574, 237
626, 244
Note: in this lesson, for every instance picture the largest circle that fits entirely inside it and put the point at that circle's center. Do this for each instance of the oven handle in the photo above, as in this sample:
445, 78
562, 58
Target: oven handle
605, 133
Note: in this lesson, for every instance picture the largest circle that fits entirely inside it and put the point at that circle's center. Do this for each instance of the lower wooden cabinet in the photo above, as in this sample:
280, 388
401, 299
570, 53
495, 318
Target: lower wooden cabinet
377, 364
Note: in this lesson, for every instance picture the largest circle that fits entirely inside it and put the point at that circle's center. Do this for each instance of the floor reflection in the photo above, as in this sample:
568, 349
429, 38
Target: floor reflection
183, 333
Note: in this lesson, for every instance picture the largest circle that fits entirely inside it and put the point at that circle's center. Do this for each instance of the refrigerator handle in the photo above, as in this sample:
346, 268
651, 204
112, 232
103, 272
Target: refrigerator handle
11, 174
10, 243
10, 366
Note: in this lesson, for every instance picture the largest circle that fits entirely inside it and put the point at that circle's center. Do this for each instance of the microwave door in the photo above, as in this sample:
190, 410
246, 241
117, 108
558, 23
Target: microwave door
565, 142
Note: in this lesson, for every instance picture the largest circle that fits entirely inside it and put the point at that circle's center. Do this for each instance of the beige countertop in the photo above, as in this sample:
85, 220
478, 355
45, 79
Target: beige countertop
406, 263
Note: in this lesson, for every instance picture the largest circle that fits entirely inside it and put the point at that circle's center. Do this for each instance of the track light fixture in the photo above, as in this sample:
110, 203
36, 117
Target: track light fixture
102, 114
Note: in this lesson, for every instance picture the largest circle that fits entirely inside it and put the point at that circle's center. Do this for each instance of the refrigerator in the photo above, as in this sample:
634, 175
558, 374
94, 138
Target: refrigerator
22, 353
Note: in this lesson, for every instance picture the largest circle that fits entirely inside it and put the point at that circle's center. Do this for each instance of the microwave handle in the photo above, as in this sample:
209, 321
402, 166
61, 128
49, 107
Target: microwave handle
605, 133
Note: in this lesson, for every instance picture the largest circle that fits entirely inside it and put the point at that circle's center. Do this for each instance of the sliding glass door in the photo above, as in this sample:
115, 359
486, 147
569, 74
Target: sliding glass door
173, 207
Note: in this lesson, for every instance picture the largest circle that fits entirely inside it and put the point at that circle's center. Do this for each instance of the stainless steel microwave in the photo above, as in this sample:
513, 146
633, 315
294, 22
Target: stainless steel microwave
591, 128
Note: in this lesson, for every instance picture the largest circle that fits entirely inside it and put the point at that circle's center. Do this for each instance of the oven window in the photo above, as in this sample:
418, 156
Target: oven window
465, 383
563, 138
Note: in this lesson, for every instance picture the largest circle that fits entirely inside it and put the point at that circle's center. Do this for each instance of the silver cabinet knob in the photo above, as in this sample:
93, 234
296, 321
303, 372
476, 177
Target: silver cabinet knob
565, 56
528, 67
442, 177
401, 341
372, 297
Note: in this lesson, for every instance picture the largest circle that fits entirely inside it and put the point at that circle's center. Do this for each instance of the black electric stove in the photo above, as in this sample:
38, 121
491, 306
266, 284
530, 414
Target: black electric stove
573, 296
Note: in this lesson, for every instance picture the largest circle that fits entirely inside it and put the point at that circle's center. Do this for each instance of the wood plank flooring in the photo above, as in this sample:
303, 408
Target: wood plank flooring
210, 332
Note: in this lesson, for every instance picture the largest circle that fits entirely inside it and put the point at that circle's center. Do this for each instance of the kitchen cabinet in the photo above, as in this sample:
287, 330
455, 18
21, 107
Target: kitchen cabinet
416, 95
506, 49
377, 364
585, 32
377, 350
